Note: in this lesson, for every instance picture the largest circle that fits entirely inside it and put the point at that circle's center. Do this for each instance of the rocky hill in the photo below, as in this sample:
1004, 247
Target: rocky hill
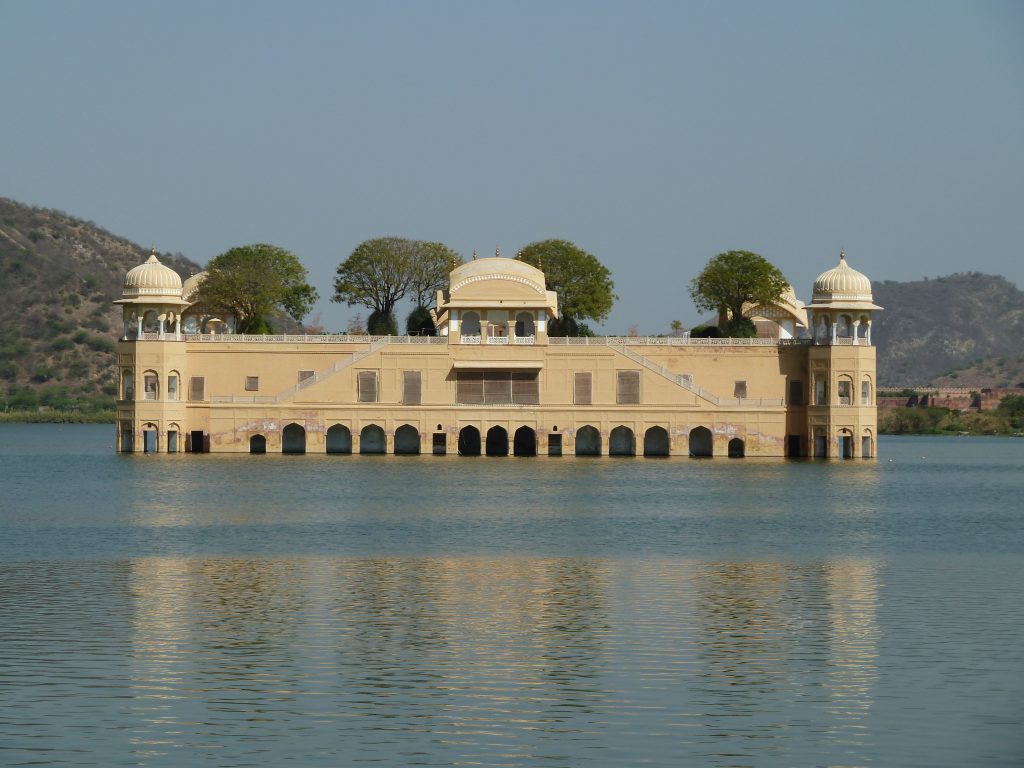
58, 327
931, 328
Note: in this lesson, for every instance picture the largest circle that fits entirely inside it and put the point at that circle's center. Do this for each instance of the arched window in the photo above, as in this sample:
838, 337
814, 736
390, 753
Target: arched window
150, 386
497, 441
257, 444
150, 322
173, 379
844, 390
524, 324
844, 327
866, 395
737, 450
127, 384
470, 324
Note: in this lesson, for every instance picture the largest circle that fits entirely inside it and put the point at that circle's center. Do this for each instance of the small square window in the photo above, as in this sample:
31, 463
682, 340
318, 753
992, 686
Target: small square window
252, 383
303, 375
739, 390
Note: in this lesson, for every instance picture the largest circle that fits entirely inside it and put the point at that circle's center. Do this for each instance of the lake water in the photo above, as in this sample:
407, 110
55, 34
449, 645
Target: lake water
342, 610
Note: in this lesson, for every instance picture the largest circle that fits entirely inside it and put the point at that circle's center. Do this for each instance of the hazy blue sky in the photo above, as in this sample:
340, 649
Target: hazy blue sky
654, 135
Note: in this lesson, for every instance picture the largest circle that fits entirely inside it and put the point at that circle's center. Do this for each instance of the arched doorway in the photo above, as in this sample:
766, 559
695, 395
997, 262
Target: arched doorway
371, 440
737, 450
656, 442
524, 325
257, 444
621, 442
293, 439
524, 443
469, 441
701, 444
339, 439
407, 440
497, 441
866, 448
588, 441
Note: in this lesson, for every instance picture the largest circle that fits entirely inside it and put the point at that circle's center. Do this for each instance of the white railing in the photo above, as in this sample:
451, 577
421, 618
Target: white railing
292, 338
525, 339
471, 339
669, 341
243, 399
501, 340
849, 341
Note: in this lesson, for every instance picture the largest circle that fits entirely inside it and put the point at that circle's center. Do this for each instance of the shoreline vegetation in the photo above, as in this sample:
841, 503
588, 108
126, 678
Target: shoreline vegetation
57, 417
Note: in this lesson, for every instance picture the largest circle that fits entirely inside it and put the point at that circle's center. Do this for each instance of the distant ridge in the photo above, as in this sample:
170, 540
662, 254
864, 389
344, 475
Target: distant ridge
932, 327
57, 325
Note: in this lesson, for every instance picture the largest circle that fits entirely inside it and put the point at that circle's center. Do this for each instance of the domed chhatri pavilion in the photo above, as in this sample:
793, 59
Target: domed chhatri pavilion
492, 382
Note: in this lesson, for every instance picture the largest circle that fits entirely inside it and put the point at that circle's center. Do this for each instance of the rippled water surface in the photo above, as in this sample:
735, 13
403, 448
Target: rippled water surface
235, 611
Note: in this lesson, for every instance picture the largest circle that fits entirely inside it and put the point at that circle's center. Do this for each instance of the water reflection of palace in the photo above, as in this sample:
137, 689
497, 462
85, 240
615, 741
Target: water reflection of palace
492, 381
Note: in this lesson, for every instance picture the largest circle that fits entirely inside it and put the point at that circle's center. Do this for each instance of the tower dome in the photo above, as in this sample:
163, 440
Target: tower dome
842, 283
151, 279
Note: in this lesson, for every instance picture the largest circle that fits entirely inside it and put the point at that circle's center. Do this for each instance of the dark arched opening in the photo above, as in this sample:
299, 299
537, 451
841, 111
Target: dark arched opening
588, 441
524, 443
621, 442
407, 440
701, 443
737, 450
656, 442
257, 444
469, 441
293, 439
497, 441
339, 439
371, 440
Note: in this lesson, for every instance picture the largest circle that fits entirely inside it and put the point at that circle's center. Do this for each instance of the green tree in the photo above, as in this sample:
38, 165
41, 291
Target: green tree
732, 279
382, 324
420, 323
381, 271
583, 284
254, 282
429, 267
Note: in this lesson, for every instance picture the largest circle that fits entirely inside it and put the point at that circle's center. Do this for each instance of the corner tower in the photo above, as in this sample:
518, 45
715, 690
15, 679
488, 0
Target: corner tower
151, 360
842, 417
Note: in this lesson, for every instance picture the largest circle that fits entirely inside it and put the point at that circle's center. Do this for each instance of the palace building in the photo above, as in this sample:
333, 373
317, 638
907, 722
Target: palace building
493, 382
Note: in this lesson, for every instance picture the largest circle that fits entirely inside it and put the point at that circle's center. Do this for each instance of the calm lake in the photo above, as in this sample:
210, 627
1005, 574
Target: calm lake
270, 610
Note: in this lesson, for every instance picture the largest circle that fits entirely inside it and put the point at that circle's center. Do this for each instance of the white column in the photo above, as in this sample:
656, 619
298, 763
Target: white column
868, 337
834, 327
856, 328
138, 333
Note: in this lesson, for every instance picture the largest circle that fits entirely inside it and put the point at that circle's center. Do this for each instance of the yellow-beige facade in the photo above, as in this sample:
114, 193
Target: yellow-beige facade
493, 382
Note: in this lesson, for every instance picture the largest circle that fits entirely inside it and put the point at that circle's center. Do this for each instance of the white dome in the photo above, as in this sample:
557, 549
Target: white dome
151, 279
841, 283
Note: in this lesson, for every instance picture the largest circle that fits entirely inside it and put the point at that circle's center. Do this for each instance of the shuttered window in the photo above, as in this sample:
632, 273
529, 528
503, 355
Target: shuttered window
497, 388
469, 388
627, 389
739, 389
252, 383
411, 388
367, 386
583, 388
197, 388
525, 388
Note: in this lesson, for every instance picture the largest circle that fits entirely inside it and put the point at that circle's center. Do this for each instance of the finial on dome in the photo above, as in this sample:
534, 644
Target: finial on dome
497, 252
152, 255
474, 254
842, 255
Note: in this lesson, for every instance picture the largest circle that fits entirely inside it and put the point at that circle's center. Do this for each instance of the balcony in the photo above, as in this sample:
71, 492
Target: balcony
500, 340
